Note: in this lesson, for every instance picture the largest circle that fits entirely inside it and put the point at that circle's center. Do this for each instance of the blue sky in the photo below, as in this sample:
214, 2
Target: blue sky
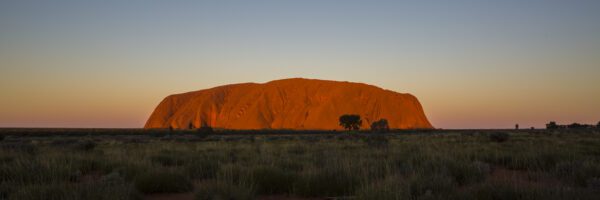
472, 64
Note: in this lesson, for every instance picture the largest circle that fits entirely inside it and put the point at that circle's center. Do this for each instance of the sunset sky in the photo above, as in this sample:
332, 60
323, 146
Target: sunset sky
472, 64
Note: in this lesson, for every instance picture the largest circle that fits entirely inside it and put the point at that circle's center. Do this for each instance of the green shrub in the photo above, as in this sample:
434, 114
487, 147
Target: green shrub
233, 173
86, 164
220, 190
6, 189
578, 172
66, 191
130, 170
430, 185
202, 168
6, 159
376, 141
510, 190
162, 182
296, 149
26, 171
393, 187
499, 137
166, 160
329, 181
272, 180
293, 165
465, 172
20, 147
85, 146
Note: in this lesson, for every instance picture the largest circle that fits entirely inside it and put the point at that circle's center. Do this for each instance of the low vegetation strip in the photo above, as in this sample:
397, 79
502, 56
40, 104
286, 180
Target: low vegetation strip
495, 164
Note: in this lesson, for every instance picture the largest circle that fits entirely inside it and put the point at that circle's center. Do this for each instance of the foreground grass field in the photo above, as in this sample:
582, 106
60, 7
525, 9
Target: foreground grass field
540, 164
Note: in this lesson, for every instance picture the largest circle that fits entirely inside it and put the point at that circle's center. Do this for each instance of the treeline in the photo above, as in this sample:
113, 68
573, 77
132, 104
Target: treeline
353, 122
554, 125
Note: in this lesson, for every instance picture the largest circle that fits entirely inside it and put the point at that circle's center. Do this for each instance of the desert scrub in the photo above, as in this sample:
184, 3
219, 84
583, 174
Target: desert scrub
499, 137
220, 190
33, 171
466, 172
19, 147
201, 168
392, 187
333, 180
376, 140
162, 182
99, 190
579, 173
85, 145
233, 173
168, 159
413, 165
272, 180
431, 185
507, 190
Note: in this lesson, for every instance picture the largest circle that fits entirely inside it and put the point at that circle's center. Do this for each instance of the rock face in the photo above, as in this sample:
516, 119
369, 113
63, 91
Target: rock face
301, 104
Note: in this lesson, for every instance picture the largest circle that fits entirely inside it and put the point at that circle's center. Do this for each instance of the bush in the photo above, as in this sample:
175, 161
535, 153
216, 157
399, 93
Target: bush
508, 190
465, 172
167, 159
162, 182
64, 191
202, 168
579, 173
430, 185
329, 181
390, 188
86, 145
20, 147
272, 180
376, 141
222, 190
380, 126
30, 171
499, 137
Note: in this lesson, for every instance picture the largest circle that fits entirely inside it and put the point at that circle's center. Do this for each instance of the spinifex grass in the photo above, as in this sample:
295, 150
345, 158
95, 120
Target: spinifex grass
428, 165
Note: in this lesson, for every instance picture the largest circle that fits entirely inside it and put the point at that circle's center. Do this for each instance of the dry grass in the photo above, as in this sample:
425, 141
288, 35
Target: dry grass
405, 165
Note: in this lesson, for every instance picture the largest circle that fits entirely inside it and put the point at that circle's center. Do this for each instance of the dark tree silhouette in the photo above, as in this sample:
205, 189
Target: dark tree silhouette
191, 126
551, 125
516, 126
206, 130
350, 122
598, 125
380, 125
576, 126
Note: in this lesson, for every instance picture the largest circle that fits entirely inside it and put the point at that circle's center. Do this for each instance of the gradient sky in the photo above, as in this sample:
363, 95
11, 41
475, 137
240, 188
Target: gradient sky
472, 64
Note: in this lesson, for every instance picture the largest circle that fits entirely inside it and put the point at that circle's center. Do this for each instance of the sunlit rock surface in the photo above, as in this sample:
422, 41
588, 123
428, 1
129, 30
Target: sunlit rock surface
300, 104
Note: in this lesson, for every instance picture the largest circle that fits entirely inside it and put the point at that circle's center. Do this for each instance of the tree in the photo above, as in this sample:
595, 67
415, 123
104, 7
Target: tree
551, 125
598, 125
350, 122
575, 126
380, 125
191, 126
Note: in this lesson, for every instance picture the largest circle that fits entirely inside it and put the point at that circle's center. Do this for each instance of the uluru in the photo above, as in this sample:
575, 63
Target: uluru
297, 104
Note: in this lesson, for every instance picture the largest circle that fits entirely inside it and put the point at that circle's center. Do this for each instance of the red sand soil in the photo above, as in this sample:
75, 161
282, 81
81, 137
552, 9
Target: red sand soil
299, 104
